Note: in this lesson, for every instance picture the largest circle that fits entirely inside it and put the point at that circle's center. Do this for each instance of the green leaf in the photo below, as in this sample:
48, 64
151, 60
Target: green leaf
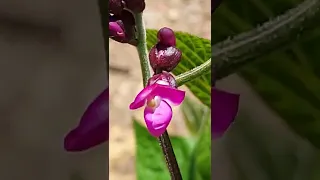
195, 51
202, 153
150, 163
195, 114
287, 79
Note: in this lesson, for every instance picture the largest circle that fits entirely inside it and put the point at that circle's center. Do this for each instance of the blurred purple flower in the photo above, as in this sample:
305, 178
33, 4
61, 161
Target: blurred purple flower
93, 128
224, 107
158, 112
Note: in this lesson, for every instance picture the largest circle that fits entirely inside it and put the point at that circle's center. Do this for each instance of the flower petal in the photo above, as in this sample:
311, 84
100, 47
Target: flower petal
158, 120
171, 95
141, 98
224, 110
93, 128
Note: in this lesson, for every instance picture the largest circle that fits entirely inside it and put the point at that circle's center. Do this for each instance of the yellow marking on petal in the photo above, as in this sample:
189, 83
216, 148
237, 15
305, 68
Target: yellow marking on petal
152, 103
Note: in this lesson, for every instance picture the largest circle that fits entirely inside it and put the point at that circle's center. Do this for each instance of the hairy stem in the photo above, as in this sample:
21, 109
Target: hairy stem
194, 73
230, 55
142, 48
164, 139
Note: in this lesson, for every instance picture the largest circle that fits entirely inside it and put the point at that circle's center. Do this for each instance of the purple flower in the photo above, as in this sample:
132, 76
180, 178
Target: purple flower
224, 107
158, 99
93, 128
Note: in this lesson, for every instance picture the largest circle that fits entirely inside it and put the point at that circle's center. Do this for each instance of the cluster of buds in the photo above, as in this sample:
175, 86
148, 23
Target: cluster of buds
121, 19
161, 91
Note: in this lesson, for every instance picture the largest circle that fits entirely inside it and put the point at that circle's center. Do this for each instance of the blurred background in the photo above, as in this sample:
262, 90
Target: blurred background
52, 65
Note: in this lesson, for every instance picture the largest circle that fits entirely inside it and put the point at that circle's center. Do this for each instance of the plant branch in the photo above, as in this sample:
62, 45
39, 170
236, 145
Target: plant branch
231, 54
164, 139
142, 48
194, 73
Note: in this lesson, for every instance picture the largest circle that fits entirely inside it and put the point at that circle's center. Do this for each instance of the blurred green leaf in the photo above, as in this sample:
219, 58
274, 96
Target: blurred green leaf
287, 79
202, 153
195, 51
316, 166
194, 114
150, 163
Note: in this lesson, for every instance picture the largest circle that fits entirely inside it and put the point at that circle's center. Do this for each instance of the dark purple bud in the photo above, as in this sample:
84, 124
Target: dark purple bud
164, 78
122, 27
166, 37
136, 6
93, 128
115, 6
164, 58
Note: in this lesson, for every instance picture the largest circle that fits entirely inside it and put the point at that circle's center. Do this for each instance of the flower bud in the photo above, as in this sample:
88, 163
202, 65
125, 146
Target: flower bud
116, 29
136, 6
166, 37
122, 27
115, 6
163, 78
164, 58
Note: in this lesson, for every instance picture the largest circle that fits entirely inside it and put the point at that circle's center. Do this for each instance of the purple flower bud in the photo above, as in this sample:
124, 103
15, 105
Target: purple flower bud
122, 27
136, 6
163, 78
115, 6
166, 37
164, 58
116, 29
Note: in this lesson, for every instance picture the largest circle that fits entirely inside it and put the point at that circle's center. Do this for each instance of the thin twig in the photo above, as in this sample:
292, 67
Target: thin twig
194, 73
142, 48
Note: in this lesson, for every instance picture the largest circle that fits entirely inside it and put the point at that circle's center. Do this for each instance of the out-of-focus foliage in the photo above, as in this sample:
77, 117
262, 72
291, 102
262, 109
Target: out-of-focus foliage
288, 78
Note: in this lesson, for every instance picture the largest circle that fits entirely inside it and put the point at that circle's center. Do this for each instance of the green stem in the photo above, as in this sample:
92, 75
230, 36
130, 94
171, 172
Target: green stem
194, 73
142, 48
164, 139
230, 55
